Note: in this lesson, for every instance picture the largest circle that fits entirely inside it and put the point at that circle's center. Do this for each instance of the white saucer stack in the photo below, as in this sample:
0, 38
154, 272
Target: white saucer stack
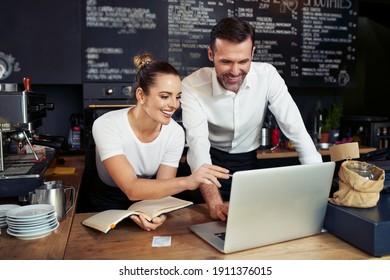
31, 221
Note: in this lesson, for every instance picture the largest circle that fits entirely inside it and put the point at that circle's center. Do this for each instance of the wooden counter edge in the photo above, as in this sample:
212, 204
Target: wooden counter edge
285, 153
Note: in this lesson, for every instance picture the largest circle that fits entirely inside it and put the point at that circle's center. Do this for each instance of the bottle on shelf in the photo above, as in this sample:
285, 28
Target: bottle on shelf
385, 139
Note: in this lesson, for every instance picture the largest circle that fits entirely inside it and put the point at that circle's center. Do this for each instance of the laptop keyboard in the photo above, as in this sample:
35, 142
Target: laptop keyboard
221, 235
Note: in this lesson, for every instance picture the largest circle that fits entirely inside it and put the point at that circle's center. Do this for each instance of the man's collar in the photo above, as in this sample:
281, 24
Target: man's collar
217, 88
250, 78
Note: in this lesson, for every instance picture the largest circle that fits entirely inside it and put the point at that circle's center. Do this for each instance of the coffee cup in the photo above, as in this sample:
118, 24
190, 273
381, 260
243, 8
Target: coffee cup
54, 193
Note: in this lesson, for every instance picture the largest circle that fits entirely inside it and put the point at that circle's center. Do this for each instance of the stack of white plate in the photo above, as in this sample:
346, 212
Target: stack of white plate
31, 221
4, 208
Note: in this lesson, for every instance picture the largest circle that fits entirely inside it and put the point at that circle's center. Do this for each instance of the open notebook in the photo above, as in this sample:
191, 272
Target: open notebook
271, 205
108, 219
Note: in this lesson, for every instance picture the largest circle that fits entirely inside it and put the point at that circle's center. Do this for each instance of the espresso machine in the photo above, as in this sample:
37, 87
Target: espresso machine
22, 166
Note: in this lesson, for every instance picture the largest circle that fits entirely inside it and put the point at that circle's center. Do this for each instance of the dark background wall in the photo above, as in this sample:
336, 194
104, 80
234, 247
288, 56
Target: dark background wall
366, 98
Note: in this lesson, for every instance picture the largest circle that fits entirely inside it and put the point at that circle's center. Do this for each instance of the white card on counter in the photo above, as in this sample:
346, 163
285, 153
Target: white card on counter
161, 241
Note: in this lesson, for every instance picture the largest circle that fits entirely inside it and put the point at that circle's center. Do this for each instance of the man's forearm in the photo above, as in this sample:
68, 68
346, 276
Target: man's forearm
211, 195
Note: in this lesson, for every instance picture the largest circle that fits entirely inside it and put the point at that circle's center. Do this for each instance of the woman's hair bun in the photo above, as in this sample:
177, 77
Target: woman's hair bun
141, 60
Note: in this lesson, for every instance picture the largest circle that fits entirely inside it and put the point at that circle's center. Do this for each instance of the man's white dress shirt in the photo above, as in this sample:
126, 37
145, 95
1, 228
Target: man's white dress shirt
232, 122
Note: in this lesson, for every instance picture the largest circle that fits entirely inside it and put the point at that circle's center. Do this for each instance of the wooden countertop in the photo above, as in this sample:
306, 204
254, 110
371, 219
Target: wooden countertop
128, 241
286, 153
52, 246
280, 153
74, 241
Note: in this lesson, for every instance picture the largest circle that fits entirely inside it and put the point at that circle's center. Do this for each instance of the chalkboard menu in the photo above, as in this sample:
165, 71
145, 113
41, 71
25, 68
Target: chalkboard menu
189, 26
115, 31
310, 42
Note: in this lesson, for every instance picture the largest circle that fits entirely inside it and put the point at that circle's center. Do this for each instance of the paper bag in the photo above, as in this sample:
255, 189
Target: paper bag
356, 190
359, 182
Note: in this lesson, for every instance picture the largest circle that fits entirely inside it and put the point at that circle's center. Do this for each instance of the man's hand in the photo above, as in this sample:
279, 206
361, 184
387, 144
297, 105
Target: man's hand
219, 212
218, 209
143, 223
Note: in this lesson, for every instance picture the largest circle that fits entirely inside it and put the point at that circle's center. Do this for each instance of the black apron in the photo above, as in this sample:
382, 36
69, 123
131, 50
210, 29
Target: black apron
233, 162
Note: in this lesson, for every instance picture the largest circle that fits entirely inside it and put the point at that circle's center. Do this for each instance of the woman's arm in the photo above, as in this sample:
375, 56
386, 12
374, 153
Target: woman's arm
165, 183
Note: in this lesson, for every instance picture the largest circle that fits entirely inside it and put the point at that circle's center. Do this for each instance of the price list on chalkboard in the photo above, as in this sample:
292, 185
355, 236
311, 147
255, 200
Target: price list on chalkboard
115, 31
312, 43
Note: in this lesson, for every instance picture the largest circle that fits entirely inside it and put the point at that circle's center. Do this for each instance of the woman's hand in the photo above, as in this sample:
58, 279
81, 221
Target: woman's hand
143, 223
207, 174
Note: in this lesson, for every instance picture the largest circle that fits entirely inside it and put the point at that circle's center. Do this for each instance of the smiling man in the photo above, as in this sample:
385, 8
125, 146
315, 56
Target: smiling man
224, 108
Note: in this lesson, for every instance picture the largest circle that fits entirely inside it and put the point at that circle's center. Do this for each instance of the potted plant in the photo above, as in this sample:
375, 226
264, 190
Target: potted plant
331, 122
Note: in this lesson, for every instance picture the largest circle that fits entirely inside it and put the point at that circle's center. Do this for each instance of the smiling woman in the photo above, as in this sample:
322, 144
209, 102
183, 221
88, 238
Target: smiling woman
138, 149
158, 97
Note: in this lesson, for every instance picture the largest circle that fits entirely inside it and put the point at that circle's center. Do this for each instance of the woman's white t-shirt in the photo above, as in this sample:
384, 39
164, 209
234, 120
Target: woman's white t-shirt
113, 136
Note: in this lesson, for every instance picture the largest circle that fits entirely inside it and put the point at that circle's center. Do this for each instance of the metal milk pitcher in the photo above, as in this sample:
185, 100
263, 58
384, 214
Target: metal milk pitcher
54, 193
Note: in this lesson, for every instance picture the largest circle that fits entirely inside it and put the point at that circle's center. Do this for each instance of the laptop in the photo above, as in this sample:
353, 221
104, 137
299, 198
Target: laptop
271, 205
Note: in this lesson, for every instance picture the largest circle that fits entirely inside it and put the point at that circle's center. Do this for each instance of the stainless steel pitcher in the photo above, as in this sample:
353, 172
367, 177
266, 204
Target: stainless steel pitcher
266, 139
54, 193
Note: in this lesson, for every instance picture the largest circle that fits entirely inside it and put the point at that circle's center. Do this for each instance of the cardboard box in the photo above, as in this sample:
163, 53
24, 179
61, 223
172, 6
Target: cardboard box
366, 228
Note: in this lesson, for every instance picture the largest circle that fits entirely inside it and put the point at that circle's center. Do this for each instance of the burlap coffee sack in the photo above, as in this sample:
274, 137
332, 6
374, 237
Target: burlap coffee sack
357, 191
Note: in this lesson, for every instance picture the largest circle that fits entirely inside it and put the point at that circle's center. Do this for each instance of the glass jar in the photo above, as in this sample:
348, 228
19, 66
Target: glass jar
365, 170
